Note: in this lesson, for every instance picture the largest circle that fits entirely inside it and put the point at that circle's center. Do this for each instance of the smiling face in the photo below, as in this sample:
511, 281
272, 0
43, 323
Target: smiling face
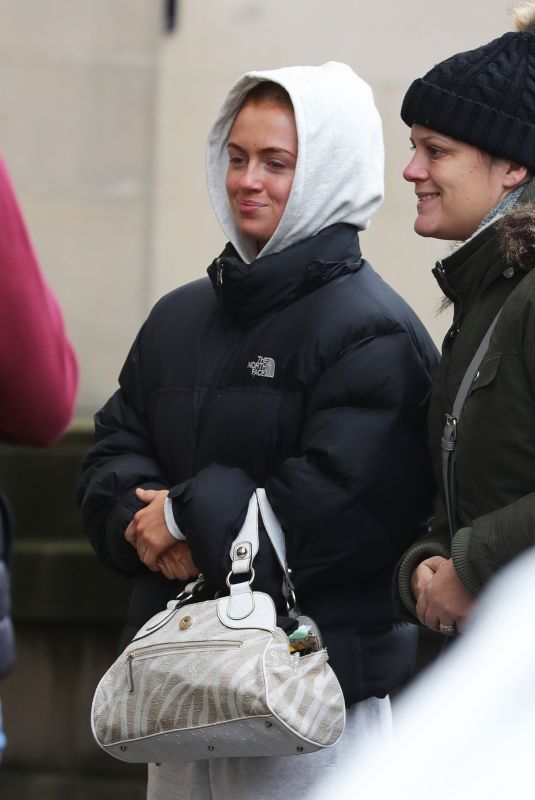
262, 150
455, 183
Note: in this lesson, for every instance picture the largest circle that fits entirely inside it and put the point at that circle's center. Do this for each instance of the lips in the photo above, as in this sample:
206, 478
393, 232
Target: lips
250, 207
425, 199
424, 196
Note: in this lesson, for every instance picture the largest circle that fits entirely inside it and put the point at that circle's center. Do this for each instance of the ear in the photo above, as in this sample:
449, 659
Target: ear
514, 174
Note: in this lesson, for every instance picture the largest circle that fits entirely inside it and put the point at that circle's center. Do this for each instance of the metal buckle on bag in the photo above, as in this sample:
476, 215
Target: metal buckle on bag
288, 592
189, 591
248, 580
451, 422
449, 437
291, 601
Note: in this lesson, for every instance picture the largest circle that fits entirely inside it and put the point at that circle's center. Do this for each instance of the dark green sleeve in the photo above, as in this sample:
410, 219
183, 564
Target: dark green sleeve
434, 543
492, 541
478, 551
496, 538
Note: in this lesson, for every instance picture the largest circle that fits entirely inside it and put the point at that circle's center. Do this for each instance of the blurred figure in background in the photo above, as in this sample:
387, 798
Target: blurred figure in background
38, 371
465, 729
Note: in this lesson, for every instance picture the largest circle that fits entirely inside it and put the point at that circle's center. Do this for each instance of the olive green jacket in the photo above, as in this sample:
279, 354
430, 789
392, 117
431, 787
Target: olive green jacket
495, 456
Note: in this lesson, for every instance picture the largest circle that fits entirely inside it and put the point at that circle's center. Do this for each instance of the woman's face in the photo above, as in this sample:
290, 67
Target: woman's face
262, 150
455, 183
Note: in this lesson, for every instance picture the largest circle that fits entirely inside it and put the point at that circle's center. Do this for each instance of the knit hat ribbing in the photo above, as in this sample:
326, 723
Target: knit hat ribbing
485, 97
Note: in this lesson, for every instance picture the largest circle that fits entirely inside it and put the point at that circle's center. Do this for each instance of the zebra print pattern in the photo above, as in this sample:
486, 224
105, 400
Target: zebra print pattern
194, 672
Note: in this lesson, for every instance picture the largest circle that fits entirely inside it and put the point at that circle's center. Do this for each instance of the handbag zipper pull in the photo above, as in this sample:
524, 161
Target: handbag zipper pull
129, 659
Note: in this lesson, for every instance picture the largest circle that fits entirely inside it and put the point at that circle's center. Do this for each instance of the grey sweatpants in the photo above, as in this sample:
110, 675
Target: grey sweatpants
270, 778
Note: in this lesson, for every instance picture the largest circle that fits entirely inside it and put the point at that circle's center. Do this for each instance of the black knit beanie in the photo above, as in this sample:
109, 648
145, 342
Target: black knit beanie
485, 97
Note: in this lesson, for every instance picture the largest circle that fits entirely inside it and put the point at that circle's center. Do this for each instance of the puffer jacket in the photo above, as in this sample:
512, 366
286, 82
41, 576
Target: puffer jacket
495, 454
303, 373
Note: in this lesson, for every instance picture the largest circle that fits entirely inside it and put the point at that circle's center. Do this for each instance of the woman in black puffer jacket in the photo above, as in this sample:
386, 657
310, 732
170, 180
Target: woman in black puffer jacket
294, 367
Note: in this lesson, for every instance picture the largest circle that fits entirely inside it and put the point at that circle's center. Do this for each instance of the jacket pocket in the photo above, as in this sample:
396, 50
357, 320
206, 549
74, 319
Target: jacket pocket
486, 373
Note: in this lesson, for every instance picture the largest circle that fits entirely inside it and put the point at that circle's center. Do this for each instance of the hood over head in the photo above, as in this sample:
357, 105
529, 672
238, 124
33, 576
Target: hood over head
340, 161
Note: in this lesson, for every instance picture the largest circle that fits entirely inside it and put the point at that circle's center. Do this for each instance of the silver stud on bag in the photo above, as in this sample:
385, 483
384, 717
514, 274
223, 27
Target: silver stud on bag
241, 551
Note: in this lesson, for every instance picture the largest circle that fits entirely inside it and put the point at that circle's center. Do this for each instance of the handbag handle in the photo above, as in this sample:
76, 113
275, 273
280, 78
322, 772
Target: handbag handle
246, 544
249, 533
244, 548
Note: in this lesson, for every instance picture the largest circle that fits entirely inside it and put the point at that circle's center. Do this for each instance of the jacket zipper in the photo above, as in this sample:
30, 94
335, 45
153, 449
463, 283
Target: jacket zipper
219, 272
456, 325
157, 651
454, 330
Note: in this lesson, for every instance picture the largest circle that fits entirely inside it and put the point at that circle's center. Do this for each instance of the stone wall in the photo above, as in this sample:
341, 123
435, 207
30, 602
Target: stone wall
68, 612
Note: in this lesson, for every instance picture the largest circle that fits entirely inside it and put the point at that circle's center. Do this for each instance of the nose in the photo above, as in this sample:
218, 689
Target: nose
251, 178
416, 169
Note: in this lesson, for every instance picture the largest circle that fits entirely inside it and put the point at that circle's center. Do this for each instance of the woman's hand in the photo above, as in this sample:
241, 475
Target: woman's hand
155, 546
177, 563
148, 532
443, 599
421, 577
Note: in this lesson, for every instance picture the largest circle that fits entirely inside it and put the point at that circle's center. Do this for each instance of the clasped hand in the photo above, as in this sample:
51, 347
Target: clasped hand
441, 597
156, 547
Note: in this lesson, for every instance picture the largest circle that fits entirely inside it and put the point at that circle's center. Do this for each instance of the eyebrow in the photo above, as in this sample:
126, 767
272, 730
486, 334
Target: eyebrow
264, 149
429, 136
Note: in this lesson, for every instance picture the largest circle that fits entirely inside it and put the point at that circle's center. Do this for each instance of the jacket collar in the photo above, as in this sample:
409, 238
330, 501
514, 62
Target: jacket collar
470, 269
467, 272
248, 291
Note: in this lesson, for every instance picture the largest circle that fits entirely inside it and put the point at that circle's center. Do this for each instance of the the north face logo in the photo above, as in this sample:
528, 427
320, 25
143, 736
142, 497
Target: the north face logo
264, 367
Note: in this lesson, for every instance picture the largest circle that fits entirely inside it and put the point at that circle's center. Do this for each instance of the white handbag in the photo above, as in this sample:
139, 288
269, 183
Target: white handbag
219, 678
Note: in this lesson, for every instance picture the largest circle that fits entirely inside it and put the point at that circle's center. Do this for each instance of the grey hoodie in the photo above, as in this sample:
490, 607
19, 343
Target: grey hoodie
340, 162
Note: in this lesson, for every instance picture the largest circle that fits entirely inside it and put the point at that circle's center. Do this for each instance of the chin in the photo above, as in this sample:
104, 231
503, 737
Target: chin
424, 230
433, 231
252, 231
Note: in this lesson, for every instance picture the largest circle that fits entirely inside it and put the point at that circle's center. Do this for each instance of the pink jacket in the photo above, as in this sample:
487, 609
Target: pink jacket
38, 366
